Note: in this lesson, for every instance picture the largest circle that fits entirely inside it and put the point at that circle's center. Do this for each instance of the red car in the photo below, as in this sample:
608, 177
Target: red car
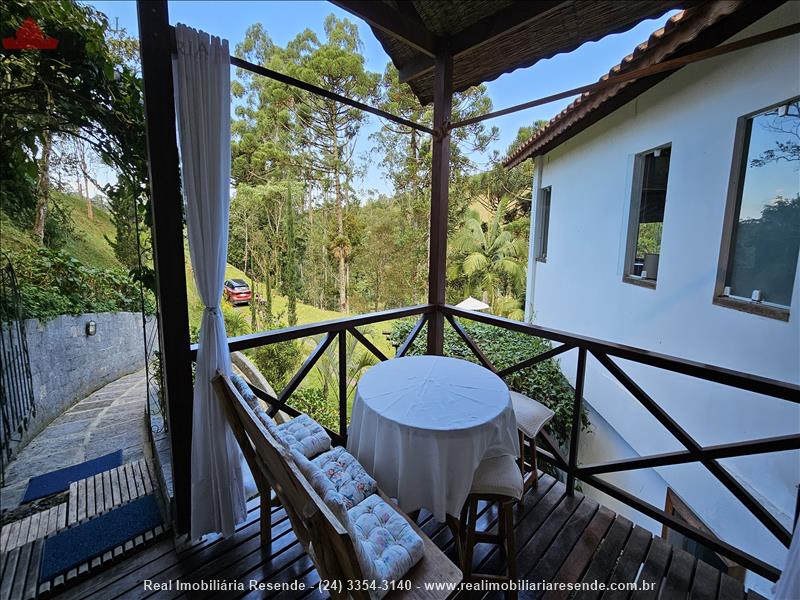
236, 291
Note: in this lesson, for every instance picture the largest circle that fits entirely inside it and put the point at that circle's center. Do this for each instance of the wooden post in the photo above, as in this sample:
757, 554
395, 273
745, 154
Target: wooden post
440, 177
167, 218
575, 432
343, 384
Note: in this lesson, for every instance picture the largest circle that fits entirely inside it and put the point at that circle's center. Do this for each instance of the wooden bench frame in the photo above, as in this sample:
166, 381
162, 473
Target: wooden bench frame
325, 539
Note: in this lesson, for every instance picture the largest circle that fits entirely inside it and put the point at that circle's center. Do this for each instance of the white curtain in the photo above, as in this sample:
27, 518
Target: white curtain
202, 96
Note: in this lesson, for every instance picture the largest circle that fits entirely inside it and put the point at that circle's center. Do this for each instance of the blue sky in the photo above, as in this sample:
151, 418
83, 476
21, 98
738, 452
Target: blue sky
283, 20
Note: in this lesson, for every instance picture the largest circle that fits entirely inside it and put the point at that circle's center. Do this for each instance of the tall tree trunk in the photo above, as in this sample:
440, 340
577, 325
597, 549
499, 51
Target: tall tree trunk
43, 188
85, 172
253, 306
340, 231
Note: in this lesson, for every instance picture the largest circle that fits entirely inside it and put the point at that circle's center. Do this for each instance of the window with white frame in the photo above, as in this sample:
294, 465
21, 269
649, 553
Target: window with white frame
648, 200
542, 225
762, 230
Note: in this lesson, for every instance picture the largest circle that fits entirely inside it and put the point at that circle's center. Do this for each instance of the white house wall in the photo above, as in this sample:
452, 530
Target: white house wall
580, 289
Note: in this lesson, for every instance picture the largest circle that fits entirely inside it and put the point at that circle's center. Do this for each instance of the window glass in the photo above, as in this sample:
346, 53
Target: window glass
543, 225
766, 232
653, 169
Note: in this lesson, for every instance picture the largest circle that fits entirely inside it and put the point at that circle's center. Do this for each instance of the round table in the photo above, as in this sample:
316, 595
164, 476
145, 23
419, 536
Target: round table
421, 426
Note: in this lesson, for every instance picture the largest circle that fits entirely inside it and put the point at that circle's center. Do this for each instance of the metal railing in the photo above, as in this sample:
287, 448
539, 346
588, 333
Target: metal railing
17, 404
605, 353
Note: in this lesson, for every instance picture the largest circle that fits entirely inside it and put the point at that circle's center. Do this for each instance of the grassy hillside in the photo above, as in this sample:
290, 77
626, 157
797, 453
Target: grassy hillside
88, 243
305, 312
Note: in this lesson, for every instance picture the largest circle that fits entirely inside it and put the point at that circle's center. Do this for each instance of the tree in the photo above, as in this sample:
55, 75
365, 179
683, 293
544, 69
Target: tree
489, 259
330, 128
290, 271
78, 89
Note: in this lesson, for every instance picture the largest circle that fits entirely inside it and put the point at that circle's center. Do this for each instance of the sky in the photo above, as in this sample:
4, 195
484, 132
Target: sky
283, 20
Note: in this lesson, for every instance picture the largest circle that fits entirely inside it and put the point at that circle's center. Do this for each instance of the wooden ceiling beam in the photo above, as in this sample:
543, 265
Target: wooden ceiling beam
488, 29
395, 23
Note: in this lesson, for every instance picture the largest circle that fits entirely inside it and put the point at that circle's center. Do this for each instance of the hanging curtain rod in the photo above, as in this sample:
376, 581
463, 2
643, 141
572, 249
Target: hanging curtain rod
253, 68
667, 65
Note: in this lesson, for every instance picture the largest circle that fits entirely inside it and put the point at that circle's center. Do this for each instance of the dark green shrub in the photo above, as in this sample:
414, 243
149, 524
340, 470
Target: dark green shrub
312, 401
52, 283
277, 362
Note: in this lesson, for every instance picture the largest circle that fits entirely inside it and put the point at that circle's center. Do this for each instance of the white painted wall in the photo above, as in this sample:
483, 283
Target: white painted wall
580, 289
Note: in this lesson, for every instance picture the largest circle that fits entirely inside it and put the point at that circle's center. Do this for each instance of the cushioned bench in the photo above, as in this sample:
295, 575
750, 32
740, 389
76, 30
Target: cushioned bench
350, 529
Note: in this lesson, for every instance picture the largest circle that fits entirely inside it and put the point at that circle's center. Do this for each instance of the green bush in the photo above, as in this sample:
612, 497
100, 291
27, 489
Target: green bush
52, 283
312, 401
277, 362
543, 382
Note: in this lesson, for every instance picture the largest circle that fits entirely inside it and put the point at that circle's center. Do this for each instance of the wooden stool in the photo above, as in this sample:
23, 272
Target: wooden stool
531, 417
496, 480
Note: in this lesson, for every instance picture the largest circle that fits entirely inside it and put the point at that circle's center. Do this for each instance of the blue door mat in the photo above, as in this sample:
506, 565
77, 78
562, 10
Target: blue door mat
58, 481
78, 545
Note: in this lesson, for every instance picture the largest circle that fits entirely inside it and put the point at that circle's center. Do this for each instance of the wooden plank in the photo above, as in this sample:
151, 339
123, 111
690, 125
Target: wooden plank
655, 566
730, 588
22, 535
134, 493
679, 576
534, 549
9, 573
125, 495
81, 500
567, 537
32, 581
72, 514
581, 555
63, 512
145, 475
21, 575
91, 497
543, 505
33, 530
52, 520
705, 583
605, 559
44, 522
13, 534
116, 494
137, 478
4, 532
629, 561
108, 495
100, 493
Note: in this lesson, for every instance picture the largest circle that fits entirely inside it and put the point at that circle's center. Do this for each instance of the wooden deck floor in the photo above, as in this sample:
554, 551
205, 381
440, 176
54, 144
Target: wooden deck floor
559, 538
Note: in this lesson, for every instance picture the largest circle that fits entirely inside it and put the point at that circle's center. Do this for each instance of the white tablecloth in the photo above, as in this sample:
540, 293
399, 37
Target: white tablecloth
421, 425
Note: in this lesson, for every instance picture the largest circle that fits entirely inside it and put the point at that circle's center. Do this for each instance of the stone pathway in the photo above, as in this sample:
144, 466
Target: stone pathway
112, 418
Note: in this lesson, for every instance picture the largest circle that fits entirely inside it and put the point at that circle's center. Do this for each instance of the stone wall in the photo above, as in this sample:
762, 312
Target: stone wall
67, 364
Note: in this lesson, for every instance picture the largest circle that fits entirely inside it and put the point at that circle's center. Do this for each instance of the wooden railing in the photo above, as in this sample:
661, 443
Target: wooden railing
330, 330
550, 451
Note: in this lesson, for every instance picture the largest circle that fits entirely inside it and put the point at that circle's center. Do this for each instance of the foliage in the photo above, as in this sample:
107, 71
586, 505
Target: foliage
359, 360
277, 362
52, 283
488, 259
84, 89
544, 382
313, 402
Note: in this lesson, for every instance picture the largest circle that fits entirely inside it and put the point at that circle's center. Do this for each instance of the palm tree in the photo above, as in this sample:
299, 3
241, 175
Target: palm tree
489, 258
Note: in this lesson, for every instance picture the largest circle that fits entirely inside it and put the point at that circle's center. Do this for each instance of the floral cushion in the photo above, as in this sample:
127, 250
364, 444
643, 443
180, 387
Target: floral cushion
255, 404
385, 542
337, 471
301, 433
305, 435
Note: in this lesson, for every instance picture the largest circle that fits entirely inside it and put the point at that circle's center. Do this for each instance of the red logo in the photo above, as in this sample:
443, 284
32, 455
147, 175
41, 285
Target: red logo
29, 36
